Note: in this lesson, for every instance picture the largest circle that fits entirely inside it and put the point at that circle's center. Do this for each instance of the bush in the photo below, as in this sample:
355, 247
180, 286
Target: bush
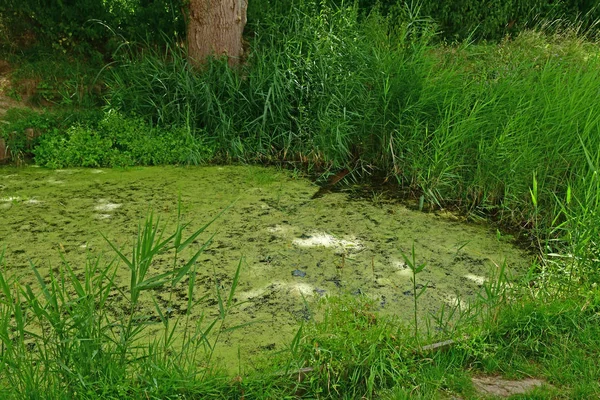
118, 141
22, 127
87, 26
460, 19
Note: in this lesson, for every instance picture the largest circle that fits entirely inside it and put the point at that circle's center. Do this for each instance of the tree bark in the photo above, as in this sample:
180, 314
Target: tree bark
215, 29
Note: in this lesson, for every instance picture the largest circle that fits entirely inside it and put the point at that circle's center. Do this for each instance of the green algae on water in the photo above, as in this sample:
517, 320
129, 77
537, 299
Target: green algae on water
295, 249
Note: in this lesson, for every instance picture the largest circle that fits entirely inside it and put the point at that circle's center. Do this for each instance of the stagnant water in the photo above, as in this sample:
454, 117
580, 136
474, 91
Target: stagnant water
296, 249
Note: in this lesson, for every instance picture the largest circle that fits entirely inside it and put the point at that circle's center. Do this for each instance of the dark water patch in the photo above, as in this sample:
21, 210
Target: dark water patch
298, 273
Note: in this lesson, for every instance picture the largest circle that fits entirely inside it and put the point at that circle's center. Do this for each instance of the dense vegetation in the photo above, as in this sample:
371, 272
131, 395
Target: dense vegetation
90, 26
507, 131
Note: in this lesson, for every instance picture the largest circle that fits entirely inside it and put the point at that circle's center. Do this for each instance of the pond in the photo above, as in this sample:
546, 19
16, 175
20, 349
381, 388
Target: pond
295, 249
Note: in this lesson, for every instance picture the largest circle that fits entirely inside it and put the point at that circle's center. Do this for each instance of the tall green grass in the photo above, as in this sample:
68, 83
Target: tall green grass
303, 92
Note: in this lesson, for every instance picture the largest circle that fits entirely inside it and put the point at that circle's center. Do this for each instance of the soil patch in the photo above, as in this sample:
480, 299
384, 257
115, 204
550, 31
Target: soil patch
499, 387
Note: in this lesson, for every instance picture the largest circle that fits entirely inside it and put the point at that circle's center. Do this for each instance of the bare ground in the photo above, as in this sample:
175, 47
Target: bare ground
495, 386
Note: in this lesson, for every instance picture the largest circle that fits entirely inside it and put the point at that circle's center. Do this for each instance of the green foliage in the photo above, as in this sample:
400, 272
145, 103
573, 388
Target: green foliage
311, 87
154, 20
554, 336
19, 124
78, 146
416, 269
88, 27
48, 79
60, 24
463, 19
467, 18
354, 353
118, 141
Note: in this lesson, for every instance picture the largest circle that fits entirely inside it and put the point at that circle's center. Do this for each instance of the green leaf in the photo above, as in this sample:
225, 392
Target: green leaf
181, 272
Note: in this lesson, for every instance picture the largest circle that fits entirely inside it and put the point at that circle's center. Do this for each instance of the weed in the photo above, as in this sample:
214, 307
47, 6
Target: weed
22, 128
118, 141
417, 292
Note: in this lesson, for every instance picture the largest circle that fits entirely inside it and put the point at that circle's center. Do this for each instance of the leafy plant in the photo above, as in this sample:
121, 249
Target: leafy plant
87, 27
119, 141
22, 127
352, 351
415, 269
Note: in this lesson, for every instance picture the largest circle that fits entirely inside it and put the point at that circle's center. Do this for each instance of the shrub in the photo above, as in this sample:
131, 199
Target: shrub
119, 141
86, 26
460, 19
22, 127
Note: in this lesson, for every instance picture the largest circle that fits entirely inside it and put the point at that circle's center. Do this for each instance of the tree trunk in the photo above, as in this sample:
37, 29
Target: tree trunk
215, 29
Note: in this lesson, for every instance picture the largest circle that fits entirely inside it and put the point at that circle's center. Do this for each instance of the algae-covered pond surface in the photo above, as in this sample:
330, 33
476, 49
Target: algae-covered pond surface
296, 249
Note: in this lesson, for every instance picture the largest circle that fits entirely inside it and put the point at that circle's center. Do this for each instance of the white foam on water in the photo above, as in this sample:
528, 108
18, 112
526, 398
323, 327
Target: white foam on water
97, 171
33, 201
300, 289
402, 268
480, 280
323, 239
105, 205
103, 216
407, 272
278, 229
250, 294
11, 199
